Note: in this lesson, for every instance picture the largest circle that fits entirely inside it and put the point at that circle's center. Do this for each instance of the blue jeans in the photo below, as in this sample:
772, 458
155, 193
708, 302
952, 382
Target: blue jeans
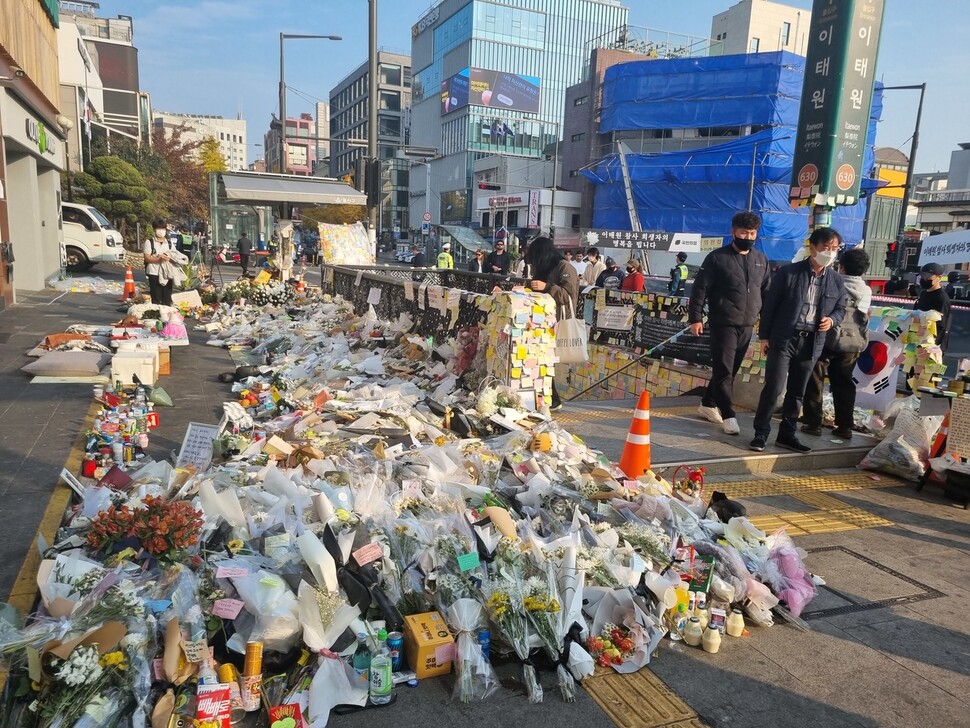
789, 368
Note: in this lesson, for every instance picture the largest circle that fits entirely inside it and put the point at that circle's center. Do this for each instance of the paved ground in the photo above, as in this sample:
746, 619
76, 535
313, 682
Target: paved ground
887, 646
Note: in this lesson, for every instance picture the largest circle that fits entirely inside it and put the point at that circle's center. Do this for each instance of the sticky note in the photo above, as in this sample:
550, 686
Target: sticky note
444, 654
367, 554
469, 561
227, 608
231, 572
374, 296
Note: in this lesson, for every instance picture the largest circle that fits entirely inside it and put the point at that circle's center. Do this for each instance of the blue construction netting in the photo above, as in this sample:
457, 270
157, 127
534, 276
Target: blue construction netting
698, 191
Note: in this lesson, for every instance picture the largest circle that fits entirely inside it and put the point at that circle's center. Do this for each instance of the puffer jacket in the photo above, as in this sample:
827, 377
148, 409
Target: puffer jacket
732, 298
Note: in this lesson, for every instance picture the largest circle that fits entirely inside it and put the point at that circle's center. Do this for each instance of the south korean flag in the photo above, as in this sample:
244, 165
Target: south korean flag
877, 368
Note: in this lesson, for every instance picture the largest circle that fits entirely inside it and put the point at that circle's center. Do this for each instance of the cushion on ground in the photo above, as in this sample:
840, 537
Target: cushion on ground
68, 364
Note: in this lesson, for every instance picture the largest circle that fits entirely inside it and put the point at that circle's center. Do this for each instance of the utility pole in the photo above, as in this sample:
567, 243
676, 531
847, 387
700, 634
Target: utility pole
372, 105
907, 190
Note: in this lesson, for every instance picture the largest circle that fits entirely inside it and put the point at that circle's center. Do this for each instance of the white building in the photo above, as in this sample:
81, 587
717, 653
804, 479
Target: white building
82, 93
760, 26
323, 138
230, 133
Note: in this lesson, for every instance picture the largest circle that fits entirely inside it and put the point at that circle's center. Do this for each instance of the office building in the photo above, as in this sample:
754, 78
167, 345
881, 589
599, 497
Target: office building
349, 132
81, 94
943, 201
491, 79
230, 133
760, 26
882, 217
109, 43
31, 148
301, 147
322, 165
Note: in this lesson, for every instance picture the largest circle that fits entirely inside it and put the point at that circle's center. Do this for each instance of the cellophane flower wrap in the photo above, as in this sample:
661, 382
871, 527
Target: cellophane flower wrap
476, 677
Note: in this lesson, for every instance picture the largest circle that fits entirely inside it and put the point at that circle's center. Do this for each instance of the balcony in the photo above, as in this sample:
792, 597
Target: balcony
942, 197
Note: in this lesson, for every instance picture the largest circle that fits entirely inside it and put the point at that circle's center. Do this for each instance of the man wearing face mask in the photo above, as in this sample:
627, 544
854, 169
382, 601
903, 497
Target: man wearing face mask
932, 297
731, 281
805, 300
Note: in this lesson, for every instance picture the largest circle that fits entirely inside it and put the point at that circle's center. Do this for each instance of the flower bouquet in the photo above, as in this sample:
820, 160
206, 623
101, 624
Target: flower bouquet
504, 601
613, 646
162, 528
543, 609
476, 678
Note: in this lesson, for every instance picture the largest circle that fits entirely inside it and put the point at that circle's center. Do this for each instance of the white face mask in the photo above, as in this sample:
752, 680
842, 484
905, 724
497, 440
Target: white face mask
825, 258
160, 232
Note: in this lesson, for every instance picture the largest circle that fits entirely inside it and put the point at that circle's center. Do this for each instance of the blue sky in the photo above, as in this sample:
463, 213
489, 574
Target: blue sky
222, 57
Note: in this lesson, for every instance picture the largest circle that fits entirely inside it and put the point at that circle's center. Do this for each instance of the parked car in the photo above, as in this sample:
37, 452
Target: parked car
89, 237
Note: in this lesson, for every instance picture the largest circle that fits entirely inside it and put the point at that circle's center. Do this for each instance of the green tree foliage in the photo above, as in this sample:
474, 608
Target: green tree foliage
210, 155
114, 186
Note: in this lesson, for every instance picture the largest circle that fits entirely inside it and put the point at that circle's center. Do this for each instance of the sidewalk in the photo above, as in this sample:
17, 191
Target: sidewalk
888, 643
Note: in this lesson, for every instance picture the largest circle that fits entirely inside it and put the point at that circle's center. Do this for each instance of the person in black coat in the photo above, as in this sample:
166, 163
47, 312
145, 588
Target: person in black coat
804, 300
418, 258
477, 264
498, 260
732, 281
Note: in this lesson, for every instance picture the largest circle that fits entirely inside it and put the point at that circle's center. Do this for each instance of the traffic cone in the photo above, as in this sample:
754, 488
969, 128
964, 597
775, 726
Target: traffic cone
300, 287
129, 291
635, 460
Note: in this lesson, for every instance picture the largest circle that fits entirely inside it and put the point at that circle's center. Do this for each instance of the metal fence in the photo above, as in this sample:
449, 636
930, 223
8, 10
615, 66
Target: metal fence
654, 321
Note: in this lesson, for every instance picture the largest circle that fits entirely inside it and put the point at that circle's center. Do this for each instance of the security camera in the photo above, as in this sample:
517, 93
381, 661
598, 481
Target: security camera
18, 71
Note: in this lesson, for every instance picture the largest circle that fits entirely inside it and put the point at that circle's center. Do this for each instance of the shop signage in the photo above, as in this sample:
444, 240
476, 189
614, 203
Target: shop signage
36, 133
642, 240
426, 22
833, 120
533, 208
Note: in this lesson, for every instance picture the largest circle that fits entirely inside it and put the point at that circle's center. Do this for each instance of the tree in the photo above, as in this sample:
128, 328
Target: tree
210, 155
334, 214
183, 183
117, 189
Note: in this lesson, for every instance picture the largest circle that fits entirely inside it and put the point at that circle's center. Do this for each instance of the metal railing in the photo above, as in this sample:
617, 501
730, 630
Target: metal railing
655, 319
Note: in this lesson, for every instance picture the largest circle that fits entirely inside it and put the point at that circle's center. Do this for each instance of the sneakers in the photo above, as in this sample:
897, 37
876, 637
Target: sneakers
711, 414
556, 407
730, 426
812, 430
792, 443
758, 443
843, 433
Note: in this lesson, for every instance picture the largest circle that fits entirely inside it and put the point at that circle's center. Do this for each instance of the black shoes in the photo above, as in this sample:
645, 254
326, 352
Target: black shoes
792, 443
812, 430
758, 443
843, 433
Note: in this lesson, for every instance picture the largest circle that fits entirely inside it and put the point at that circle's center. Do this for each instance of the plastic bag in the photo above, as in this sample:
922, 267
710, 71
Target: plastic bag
906, 450
160, 397
476, 678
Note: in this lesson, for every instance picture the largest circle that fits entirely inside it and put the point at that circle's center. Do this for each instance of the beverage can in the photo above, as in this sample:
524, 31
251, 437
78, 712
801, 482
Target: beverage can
395, 645
485, 642
251, 689
253, 664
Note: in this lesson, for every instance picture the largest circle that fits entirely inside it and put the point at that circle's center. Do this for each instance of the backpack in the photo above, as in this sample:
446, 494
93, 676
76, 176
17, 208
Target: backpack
850, 335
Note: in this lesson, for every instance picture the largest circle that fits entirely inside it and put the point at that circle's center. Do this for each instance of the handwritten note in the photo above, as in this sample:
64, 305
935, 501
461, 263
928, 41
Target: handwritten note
227, 608
958, 438
197, 446
231, 572
366, 554
374, 296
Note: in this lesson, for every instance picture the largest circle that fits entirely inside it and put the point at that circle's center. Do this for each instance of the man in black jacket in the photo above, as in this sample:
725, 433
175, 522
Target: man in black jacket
418, 258
805, 300
497, 261
731, 282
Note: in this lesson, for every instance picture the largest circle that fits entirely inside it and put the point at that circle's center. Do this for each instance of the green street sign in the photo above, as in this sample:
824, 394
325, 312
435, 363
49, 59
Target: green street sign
833, 121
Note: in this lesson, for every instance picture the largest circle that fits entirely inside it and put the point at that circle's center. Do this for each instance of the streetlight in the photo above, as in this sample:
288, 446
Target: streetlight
754, 155
291, 36
901, 228
66, 124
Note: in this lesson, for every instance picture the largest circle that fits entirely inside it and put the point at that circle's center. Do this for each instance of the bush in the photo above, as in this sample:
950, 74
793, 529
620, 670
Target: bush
123, 207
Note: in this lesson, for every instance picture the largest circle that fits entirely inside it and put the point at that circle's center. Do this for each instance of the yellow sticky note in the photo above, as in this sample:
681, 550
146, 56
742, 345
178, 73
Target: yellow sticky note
515, 372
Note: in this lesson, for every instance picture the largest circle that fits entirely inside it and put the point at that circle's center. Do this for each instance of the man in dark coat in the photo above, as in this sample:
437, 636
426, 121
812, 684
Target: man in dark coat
245, 246
805, 300
498, 261
418, 258
731, 281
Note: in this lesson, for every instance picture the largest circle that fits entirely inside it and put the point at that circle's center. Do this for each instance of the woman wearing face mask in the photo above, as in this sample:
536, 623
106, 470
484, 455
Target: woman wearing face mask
634, 277
157, 250
932, 297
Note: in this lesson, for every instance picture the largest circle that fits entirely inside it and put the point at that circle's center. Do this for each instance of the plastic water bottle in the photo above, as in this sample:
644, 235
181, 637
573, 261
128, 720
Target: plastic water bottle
381, 682
362, 658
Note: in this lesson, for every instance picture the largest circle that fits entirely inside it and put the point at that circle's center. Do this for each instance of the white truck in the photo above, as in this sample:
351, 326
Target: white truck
89, 237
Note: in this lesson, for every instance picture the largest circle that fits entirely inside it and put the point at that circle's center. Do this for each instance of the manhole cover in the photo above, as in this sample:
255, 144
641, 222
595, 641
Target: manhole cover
856, 583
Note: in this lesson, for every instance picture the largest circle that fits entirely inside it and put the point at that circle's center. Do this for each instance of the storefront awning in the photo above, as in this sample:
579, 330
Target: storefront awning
263, 189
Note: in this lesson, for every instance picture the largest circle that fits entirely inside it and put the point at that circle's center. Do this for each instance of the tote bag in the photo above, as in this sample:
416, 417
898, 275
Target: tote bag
571, 339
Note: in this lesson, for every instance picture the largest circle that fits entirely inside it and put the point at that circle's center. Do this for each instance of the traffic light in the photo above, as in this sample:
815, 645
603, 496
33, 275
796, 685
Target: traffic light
487, 186
891, 254
373, 184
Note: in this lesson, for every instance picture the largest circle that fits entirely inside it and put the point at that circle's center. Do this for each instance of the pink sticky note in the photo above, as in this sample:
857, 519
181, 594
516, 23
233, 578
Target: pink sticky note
158, 668
365, 554
444, 653
230, 572
227, 608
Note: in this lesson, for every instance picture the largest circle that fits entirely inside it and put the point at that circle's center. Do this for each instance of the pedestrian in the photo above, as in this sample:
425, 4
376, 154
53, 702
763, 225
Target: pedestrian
553, 275
633, 280
678, 275
579, 264
843, 345
498, 260
157, 250
477, 264
932, 297
245, 246
521, 265
418, 258
732, 281
594, 266
952, 278
805, 299
444, 257
612, 277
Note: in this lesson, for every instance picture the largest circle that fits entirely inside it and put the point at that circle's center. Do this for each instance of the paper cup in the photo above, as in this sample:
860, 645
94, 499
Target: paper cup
663, 587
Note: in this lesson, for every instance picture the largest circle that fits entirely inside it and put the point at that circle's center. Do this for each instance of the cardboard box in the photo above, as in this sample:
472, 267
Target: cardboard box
164, 361
127, 363
428, 644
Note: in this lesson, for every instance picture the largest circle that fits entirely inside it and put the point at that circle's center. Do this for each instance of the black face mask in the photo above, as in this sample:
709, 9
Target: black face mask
629, 269
925, 283
743, 243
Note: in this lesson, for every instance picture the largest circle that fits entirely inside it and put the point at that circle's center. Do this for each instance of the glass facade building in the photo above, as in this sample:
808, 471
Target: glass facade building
460, 48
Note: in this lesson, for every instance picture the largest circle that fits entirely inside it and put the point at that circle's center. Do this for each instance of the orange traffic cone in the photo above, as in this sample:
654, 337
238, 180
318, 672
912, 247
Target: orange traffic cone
129, 291
635, 460
300, 287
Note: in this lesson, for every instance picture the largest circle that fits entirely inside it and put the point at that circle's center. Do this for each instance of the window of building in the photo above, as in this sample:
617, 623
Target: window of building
574, 173
499, 218
785, 34
390, 74
389, 125
486, 218
513, 218
581, 100
390, 101
578, 137
407, 77
755, 44
574, 221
